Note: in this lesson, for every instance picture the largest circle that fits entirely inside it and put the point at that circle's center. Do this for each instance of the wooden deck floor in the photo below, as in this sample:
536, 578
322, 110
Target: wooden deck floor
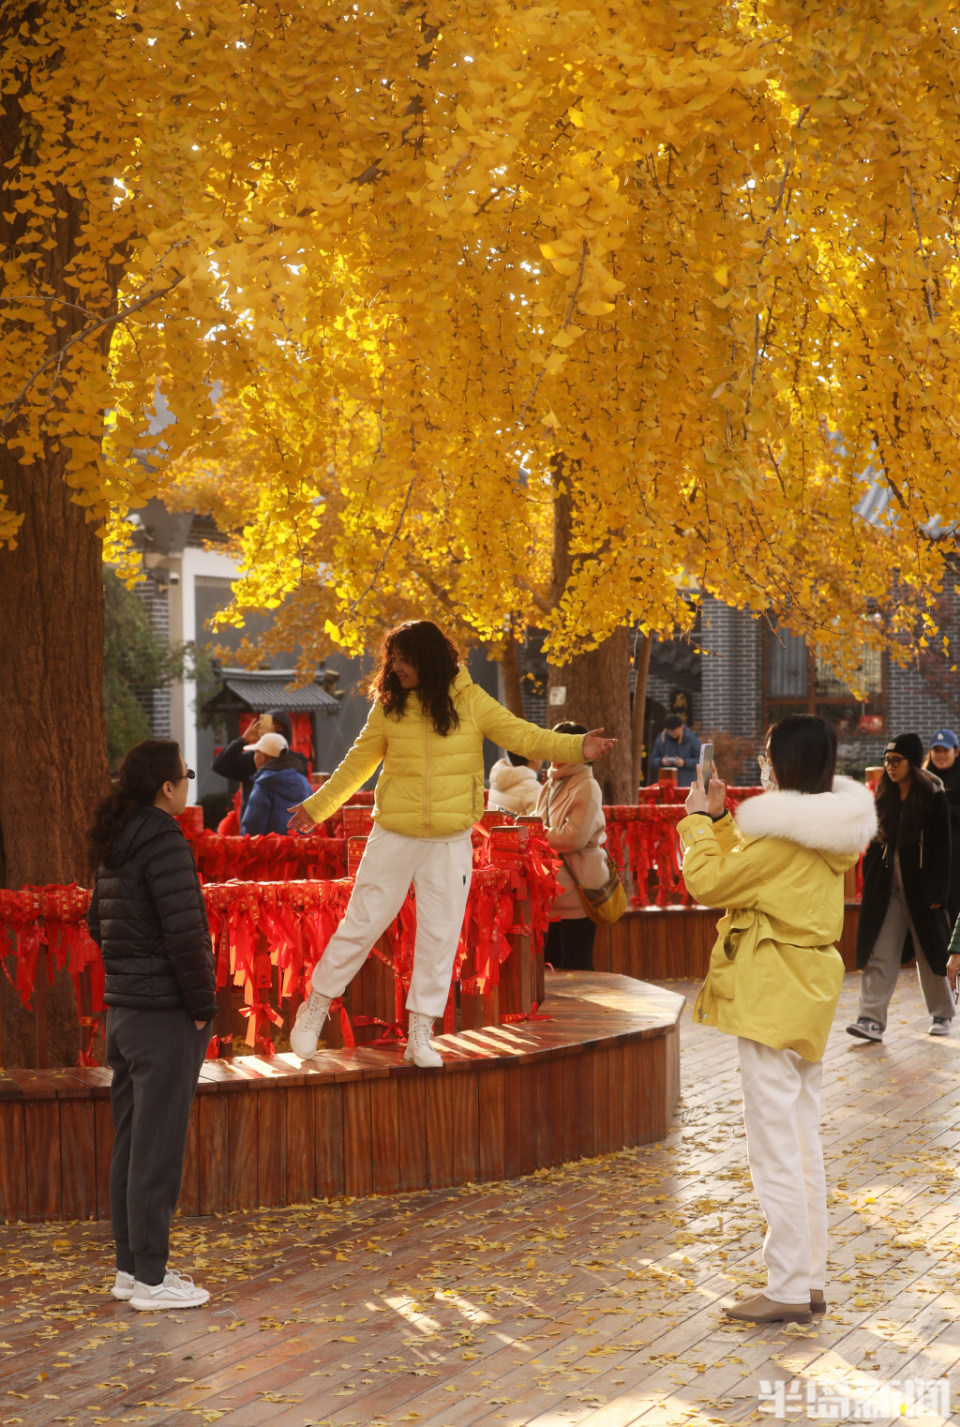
581, 1295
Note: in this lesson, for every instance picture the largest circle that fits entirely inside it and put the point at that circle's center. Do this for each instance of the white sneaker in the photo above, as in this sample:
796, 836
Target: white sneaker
177, 1290
123, 1285
939, 1026
419, 1049
305, 1031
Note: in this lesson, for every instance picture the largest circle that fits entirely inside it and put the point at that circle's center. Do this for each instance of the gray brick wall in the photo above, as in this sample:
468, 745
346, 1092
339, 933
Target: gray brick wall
156, 702
731, 695
913, 706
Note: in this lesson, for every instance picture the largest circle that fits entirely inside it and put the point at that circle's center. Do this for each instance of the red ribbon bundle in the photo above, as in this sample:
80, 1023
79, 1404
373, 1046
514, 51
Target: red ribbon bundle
271, 858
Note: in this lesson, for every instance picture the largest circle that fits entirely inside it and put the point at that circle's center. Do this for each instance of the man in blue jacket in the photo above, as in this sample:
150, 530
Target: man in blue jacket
278, 785
236, 761
676, 747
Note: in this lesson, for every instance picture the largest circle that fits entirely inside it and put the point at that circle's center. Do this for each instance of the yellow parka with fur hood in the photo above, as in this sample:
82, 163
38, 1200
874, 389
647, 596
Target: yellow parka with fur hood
775, 973
432, 786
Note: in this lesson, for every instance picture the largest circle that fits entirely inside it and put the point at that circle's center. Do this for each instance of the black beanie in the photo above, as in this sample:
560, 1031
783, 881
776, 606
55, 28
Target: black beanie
909, 746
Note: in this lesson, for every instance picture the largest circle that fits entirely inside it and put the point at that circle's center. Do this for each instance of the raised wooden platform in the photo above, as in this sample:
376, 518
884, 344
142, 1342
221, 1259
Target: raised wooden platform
601, 1074
673, 943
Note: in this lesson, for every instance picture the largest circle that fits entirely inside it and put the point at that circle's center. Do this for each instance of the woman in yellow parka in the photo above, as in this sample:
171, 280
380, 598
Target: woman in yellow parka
774, 979
427, 726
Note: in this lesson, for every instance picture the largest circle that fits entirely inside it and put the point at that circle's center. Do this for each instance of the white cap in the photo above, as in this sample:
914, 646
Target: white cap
272, 744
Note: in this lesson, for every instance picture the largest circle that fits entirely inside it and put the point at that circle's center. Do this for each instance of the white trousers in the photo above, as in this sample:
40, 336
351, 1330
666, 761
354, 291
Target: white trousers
781, 1115
440, 873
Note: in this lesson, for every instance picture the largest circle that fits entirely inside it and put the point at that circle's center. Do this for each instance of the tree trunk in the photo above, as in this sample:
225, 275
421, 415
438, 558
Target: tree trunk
510, 674
593, 688
53, 763
641, 663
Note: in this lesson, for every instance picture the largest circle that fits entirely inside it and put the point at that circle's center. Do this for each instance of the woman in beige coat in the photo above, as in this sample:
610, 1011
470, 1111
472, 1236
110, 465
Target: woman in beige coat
571, 805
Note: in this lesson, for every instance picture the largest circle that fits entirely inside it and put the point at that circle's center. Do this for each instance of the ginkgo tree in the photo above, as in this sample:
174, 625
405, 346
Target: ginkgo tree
505, 313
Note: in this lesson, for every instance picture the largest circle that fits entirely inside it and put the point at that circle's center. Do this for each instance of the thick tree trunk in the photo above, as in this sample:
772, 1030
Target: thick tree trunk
593, 688
641, 663
53, 764
510, 674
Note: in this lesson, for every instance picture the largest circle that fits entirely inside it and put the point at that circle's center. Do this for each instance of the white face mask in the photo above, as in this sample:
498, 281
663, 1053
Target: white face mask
767, 779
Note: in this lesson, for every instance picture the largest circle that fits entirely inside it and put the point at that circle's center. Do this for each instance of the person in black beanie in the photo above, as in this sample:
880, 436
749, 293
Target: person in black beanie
906, 884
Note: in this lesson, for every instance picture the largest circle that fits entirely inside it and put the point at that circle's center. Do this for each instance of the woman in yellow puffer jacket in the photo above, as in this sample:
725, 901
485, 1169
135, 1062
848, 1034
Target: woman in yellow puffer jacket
427, 726
774, 979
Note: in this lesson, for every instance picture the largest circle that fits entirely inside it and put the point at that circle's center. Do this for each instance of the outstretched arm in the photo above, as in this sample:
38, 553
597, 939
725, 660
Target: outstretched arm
508, 731
363, 760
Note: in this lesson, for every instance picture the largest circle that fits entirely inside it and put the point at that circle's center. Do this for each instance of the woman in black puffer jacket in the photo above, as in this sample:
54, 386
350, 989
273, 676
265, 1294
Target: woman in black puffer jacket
148, 916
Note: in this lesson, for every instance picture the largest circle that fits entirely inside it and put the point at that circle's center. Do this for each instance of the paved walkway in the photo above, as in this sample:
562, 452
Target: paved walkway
585, 1295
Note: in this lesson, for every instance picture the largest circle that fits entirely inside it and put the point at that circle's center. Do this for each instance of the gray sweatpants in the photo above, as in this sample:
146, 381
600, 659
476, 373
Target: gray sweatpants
879, 976
156, 1058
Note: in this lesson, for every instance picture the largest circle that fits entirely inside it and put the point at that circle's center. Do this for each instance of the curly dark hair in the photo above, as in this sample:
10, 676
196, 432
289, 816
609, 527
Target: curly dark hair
436, 659
143, 773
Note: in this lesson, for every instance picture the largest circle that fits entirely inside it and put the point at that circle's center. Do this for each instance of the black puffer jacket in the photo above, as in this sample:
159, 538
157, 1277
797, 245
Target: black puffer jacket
148, 916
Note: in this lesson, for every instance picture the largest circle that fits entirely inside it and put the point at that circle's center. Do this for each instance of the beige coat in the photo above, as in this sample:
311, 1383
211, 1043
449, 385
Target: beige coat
575, 827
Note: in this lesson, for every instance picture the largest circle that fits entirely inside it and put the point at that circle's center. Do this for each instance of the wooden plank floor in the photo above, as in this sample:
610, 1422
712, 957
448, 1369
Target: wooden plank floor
585, 1295
269, 1132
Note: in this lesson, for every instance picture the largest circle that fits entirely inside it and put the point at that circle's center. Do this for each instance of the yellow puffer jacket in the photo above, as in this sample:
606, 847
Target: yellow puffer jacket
432, 786
775, 973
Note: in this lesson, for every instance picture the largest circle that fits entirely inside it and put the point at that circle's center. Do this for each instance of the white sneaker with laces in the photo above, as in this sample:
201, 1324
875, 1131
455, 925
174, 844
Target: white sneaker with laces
123, 1285
177, 1290
419, 1049
939, 1026
305, 1031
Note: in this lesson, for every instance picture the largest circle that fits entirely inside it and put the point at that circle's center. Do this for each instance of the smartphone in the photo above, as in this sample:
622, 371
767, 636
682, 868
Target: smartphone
706, 763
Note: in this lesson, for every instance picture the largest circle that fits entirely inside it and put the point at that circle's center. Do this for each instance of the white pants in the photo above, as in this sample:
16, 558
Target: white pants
440, 873
781, 1115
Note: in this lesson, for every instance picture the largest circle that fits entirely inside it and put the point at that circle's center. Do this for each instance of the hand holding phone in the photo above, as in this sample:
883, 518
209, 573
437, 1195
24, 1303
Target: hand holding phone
706, 764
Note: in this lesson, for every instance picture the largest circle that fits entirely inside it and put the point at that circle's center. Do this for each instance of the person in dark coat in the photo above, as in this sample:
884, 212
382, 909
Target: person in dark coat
906, 883
943, 760
278, 785
147, 915
676, 746
236, 761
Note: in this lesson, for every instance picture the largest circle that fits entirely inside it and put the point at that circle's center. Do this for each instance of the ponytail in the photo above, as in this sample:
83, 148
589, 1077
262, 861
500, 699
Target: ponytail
143, 773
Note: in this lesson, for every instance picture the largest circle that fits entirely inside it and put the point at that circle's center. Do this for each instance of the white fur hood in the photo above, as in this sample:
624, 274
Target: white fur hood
842, 821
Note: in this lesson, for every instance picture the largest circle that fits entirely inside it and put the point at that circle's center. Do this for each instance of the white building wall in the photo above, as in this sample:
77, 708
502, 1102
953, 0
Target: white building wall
186, 570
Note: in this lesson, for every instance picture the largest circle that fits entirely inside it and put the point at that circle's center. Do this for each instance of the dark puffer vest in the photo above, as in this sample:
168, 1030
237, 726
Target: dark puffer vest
149, 919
